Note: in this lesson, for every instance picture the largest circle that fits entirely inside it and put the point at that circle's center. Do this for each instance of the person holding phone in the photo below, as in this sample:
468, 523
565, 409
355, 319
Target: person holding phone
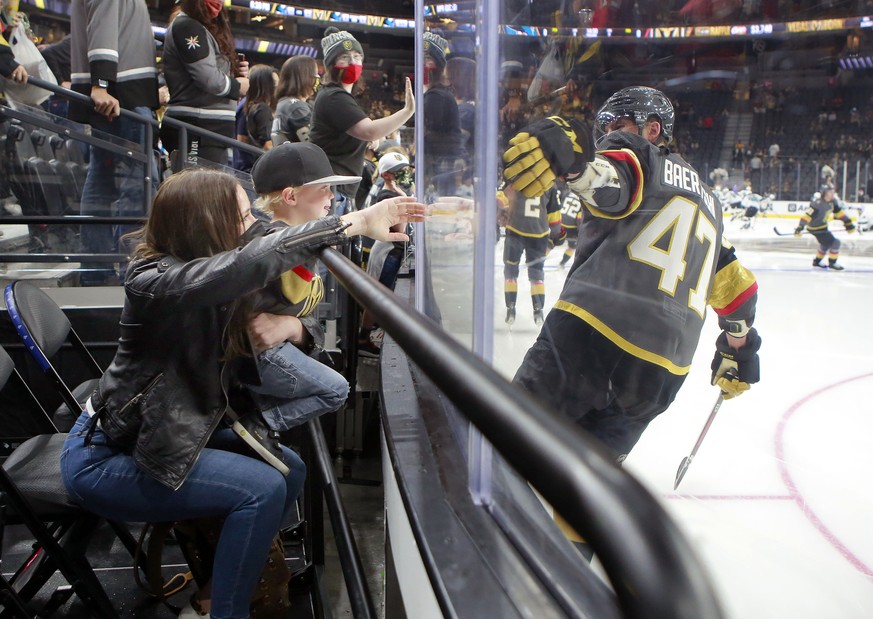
206, 78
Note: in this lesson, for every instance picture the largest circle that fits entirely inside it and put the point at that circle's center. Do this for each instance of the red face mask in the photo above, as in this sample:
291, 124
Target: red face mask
352, 73
213, 7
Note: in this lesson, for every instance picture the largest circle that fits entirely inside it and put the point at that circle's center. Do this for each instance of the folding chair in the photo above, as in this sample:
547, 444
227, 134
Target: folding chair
32, 494
44, 328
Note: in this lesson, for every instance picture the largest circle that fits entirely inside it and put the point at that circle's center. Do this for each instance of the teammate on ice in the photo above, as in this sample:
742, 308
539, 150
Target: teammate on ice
571, 217
815, 219
617, 345
532, 225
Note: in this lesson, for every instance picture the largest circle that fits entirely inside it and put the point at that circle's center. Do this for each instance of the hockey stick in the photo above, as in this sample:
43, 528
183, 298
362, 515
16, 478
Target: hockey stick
686, 462
783, 233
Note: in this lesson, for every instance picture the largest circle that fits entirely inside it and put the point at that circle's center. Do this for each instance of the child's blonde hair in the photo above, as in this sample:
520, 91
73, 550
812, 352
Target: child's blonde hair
268, 201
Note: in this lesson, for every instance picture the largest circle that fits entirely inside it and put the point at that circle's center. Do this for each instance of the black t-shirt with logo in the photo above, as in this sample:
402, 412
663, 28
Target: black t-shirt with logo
335, 112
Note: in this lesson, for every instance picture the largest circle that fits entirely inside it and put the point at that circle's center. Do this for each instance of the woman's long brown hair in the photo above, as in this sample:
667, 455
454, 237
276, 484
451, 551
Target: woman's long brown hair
261, 87
297, 77
218, 27
196, 214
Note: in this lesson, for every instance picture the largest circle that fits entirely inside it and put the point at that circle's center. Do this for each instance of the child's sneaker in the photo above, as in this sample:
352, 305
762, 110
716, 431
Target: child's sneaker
260, 439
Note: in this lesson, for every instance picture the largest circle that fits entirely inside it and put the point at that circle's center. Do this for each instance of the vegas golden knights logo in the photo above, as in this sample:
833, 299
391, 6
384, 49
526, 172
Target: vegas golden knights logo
347, 44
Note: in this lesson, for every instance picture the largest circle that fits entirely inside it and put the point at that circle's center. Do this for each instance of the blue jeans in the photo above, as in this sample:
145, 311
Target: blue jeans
253, 497
295, 387
115, 185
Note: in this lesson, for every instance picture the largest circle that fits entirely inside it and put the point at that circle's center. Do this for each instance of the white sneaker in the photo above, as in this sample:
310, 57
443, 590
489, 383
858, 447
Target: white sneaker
189, 612
260, 439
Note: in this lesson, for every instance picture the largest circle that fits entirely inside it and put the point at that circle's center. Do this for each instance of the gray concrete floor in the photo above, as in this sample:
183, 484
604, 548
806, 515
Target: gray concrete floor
364, 503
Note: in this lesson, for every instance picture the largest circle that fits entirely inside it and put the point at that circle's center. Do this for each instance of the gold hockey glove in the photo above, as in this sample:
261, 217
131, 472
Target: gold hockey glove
543, 151
734, 370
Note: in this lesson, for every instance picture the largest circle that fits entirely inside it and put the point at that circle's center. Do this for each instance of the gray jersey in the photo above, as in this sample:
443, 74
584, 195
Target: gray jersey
531, 216
649, 251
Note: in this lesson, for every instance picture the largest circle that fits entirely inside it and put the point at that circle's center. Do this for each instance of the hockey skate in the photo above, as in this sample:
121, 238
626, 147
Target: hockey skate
817, 263
538, 317
510, 314
833, 266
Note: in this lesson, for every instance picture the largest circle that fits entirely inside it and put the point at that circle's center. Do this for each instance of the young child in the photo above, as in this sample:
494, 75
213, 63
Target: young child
385, 258
293, 182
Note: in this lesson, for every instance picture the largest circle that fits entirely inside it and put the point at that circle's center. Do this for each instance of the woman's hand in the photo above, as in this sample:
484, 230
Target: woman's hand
243, 86
410, 97
242, 69
268, 330
376, 221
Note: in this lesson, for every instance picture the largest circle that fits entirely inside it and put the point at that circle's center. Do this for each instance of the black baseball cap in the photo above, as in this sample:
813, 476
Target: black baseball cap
295, 164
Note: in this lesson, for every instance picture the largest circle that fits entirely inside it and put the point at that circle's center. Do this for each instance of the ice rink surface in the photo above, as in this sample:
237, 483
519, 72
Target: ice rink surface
779, 499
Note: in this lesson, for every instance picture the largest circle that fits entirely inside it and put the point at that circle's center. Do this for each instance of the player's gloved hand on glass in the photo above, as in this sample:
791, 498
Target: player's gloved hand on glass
798, 231
545, 150
850, 227
734, 370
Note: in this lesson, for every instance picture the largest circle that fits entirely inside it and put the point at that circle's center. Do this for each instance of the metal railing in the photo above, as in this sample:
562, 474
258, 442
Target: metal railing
140, 156
650, 564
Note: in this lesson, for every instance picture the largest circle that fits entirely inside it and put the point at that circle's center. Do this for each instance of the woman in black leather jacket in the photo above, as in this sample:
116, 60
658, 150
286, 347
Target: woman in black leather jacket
151, 445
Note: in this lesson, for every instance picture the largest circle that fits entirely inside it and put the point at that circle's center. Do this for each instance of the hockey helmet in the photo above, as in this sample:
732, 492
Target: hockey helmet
638, 103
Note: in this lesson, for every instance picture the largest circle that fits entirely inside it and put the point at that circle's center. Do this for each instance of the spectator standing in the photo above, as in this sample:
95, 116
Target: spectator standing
368, 175
9, 68
461, 75
204, 77
256, 114
756, 166
385, 257
112, 61
339, 125
57, 57
298, 81
443, 140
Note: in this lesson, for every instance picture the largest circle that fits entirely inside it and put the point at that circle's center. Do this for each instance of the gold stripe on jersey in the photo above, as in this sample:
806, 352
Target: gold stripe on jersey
628, 156
730, 282
529, 235
619, 341
554, 217
302, 287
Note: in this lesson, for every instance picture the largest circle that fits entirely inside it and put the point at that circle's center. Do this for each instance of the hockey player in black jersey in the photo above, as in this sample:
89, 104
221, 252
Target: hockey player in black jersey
651, 256
815, 219
532, 225
571, 218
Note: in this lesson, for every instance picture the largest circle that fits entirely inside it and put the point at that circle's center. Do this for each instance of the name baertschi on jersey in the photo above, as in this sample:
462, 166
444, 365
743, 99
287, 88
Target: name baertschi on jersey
682, 177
